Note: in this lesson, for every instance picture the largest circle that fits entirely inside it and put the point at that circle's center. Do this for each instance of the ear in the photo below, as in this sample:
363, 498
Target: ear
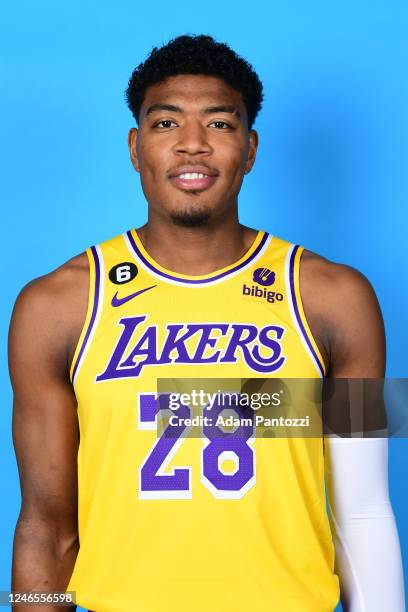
132, 144
252, 149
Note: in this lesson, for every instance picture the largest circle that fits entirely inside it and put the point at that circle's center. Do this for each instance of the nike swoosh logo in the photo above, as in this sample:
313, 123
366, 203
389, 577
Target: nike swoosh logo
119, 301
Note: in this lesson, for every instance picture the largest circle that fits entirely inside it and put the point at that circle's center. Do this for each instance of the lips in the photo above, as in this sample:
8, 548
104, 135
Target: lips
193, 178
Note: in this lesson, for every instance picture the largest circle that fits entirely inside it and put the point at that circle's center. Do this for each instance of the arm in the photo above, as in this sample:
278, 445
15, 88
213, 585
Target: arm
45, 431
368, 558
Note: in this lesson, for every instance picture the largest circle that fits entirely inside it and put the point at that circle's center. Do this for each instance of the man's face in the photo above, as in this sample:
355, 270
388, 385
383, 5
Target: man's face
192, 148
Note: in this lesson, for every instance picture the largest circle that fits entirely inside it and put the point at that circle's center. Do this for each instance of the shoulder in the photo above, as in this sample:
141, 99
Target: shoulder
343, 304
336, 286
50, 309
334, 280
57, 288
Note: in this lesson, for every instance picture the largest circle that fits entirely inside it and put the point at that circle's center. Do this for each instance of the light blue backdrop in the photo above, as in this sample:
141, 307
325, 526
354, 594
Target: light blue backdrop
332, 166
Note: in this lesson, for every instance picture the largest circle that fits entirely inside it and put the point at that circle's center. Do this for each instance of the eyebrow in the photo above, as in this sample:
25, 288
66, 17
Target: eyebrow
208, 111
163, 107
222, 109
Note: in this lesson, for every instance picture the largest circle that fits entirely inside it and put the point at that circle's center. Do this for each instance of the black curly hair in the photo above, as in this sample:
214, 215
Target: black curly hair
199, 54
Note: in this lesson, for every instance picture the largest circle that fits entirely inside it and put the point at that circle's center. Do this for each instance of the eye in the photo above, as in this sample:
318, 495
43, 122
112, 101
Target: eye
220, 125
165, 123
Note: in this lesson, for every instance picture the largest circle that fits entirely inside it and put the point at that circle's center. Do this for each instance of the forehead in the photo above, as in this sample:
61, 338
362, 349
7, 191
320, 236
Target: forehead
193, 91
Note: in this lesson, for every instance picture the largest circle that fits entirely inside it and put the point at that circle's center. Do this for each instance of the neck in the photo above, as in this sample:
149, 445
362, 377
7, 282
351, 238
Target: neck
195, 250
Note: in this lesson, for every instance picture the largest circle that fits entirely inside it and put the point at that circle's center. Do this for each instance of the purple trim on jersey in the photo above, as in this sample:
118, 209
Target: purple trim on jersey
194, 281
295, 306
94, 310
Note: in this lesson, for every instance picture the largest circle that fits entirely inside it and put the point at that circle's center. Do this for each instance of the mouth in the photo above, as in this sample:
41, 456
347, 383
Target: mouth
193, 178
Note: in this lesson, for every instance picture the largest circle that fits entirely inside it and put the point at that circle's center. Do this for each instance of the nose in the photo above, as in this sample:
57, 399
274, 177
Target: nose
193, 139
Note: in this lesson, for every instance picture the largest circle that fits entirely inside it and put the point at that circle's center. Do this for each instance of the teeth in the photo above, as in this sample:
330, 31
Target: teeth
192, 175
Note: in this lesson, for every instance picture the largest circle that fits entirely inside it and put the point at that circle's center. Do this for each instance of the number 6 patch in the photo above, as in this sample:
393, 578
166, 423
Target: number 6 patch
123, 273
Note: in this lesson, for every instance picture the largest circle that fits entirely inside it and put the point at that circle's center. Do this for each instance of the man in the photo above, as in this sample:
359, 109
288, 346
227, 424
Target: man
197, 523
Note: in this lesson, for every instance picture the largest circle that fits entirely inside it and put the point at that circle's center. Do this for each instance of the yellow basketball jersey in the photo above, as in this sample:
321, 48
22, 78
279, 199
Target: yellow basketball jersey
163, 526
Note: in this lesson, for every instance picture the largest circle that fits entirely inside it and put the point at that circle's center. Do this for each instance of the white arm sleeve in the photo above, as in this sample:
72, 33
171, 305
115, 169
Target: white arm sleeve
368, 556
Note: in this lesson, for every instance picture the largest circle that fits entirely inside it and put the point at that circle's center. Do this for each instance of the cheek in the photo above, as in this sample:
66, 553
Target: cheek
151, 156
237, 157
235, 151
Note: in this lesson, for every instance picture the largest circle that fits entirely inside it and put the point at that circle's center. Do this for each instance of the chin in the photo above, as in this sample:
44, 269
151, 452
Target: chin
191, 217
